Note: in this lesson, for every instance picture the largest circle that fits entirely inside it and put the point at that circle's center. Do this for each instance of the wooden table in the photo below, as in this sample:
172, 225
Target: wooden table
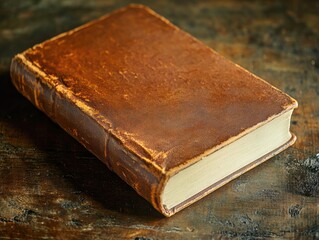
51, 187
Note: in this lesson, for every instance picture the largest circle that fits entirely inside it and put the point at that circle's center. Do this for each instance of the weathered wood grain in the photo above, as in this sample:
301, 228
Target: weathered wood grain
51, 187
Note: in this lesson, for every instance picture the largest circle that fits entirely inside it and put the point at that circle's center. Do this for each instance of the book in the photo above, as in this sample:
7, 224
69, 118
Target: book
172, 117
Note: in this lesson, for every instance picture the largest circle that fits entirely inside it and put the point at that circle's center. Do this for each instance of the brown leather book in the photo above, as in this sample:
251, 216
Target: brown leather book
169, 115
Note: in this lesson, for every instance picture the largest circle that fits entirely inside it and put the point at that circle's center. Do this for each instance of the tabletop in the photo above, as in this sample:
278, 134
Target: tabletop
53, 188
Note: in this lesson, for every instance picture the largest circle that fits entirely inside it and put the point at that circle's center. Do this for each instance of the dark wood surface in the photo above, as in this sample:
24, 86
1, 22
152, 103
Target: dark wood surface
51, 187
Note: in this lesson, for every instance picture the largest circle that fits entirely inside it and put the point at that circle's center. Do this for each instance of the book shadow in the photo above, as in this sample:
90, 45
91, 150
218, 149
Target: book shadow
67, 158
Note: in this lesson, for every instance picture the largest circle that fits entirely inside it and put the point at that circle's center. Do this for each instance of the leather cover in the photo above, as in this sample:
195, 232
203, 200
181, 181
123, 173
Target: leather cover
145, 97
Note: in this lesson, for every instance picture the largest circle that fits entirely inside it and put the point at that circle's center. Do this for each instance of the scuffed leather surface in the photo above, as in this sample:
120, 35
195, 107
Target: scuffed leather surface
167, 97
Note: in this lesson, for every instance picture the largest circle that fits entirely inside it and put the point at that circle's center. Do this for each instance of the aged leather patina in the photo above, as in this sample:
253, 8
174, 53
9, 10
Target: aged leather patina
145, 97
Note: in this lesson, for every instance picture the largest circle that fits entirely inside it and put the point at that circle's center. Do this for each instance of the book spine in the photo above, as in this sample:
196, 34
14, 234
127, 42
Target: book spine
84, 128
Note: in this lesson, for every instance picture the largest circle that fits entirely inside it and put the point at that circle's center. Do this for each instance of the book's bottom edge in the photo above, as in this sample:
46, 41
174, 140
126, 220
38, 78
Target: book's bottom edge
220, 183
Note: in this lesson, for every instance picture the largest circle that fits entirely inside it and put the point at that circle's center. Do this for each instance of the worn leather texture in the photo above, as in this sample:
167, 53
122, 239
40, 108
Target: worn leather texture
145, 97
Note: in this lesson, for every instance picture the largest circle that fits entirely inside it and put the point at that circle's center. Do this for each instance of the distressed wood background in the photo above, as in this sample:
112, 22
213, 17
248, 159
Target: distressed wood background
52, 188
